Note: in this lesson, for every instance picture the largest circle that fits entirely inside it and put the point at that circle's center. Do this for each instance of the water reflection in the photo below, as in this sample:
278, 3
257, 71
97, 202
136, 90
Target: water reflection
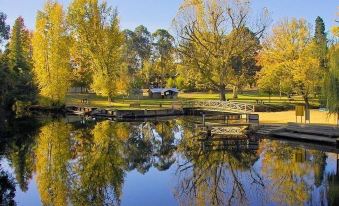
88, 164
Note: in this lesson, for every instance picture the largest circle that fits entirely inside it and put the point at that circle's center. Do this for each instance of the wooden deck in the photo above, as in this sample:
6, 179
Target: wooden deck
315, 133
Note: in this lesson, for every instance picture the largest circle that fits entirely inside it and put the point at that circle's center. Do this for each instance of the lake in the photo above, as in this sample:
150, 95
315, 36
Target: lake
73, 161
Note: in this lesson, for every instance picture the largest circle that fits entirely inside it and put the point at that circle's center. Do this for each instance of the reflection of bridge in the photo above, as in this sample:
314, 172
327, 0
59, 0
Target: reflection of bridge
220, 106
226, 130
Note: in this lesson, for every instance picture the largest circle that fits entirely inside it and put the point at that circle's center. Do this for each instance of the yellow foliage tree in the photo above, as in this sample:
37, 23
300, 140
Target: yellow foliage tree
96, 27
51, 53
289, 60
213, 33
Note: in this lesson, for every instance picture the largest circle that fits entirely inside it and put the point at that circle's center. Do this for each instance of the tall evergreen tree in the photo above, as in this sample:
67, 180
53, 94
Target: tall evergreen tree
4, 72
163, 56
20, 62
320, 38
320, 35
20, 53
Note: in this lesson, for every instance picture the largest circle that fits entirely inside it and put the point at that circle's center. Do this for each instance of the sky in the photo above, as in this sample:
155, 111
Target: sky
155, 14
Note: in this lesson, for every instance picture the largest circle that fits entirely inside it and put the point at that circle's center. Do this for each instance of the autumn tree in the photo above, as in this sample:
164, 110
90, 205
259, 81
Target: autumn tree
51, 53
289, 57
211, 35
96, 27
80, 63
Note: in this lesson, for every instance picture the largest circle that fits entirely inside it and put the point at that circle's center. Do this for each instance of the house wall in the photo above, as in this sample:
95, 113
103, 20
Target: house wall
154, 95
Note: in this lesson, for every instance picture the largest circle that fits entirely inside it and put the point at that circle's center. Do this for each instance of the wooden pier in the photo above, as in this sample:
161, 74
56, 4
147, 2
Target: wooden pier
306, 132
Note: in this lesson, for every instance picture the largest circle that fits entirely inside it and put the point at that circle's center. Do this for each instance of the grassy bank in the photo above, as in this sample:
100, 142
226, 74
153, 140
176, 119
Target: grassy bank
99, 101
146, 103
317, 117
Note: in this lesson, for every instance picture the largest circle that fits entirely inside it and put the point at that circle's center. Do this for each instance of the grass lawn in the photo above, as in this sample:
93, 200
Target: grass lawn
317, 117
145, 102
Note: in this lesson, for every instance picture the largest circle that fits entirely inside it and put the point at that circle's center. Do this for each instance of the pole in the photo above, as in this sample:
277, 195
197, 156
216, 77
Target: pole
203, 119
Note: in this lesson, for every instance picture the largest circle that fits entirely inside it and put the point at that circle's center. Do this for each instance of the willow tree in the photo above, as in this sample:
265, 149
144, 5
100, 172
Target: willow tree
51, 53
211, 35
96, 27
331, 83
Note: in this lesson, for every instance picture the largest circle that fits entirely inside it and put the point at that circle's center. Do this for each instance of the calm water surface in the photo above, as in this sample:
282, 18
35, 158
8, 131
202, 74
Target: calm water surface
64, 161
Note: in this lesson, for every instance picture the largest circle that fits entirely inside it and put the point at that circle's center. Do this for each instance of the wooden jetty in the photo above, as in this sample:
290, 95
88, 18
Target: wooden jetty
178, 108
306, 132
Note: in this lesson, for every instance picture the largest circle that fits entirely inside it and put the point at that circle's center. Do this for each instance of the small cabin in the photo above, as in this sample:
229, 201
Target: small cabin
163, 93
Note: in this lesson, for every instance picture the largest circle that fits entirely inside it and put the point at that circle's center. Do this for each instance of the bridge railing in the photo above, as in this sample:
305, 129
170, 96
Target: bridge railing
221, 105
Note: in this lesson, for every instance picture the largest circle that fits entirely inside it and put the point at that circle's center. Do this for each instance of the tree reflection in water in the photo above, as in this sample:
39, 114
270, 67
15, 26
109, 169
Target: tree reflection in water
79, 164
276, 172
87, 166
215, 177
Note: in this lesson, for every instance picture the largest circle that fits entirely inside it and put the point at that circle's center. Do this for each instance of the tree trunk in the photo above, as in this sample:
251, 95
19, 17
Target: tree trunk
222, 93
307, 108
307, 103
235, 92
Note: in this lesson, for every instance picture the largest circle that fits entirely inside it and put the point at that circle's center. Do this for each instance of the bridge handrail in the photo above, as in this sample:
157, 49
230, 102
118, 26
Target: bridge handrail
222, 105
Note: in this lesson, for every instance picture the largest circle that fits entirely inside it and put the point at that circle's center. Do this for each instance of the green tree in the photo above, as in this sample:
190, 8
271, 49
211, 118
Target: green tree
5, 74
244, 65
331, 83
163, 56
137, 54
4, 28
20, 62
51, 53
138, 47
320, 35
320, 39
20, 46
7, 81
96, 27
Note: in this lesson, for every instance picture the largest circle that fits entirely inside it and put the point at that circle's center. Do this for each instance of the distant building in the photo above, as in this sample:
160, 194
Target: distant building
163, 93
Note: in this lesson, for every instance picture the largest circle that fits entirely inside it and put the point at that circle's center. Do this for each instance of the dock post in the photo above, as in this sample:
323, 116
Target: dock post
209, 132
203, 119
